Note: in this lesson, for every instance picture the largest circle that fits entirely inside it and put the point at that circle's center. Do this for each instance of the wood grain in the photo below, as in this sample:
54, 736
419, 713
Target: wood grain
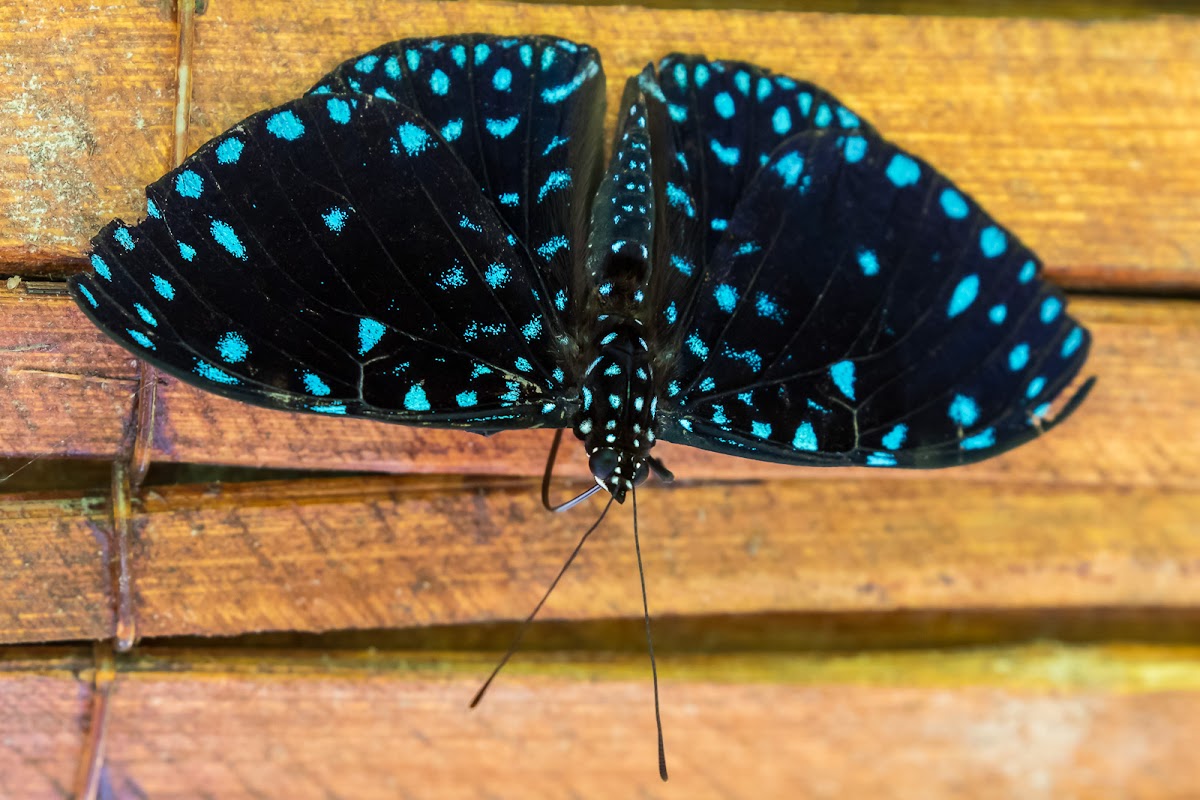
1028, 722
366, 553
68, 390
86, 94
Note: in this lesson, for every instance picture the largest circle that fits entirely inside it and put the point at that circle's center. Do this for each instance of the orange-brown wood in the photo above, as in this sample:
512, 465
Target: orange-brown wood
361, 553
68, 390
86, 94
1029, 722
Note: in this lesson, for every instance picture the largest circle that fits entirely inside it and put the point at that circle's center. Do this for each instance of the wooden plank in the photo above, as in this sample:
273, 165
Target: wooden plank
362, 553
87, 97
1026, 722
1080, 136
67, 390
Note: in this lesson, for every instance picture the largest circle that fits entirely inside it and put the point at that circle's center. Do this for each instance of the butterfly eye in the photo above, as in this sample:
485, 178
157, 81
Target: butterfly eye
641, 473
603, 462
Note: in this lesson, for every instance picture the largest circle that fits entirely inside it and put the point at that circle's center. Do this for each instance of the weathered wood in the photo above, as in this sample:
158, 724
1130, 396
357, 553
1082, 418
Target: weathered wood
68, 390
1023, 722
86, 94
359, 553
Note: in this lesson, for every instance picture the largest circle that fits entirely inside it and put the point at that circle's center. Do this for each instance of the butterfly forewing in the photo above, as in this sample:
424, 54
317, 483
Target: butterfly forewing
524, 114
352, 266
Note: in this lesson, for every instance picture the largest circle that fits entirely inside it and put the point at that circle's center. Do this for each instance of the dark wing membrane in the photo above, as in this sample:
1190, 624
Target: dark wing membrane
862, 310
334, 255
715, 124
525, 116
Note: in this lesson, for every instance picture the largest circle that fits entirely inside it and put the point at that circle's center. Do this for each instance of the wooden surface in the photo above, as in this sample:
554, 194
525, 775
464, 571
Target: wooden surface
822, 633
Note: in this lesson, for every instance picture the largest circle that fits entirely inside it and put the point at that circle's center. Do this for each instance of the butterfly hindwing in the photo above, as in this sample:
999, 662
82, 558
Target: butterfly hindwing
334, 255
860, 309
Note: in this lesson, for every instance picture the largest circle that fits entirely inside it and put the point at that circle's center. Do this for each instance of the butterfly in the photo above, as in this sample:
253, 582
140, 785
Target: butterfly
432, 236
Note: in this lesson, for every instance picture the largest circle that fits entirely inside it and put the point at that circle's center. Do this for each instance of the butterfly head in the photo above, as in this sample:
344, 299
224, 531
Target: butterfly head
618, 471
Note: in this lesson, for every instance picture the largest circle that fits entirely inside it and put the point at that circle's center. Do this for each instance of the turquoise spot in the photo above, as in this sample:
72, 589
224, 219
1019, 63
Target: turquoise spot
764, 89
679, 199
232, 347
335, 219
868, 262
760, 429
526, 53
895, 437
985, 438
124, 238
726, 155
781, 120
189, 184
366, 64
805, 438
225, 237
789, 167
718, 415
141, 338
329, 408
804, 102
91, 298
229, 151
439, 82
532, 329
903, 171
842, 374
1035, 387
881, 460
452, 130
824, 116
742, 81
339, 110
679, 71
698, 348
315, 385
1050, 308
511, 199
481, 53
391, 68
413, 59
285, 125
497, 275
726, 297
997, 313
701, 75
964, 295
369, 333
766, 307
559, 179
552, 246
466, 399
100, 267
719, 224
459, 54
415, 399
846, 117
209, 372
1072, 342
501, 128
963, 411
1018, 357
502, 80
855, 148
723, 103
413, 138
145, 314
671, 313
152, 209
187, 251
683, 265
992, 241
953, 204
1028, 270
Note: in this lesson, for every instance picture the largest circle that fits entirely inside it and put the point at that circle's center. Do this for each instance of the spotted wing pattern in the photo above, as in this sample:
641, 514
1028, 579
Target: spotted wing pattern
857, 309
336, 255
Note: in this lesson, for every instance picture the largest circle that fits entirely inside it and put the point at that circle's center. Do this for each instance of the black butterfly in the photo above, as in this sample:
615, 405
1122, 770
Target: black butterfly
430, 237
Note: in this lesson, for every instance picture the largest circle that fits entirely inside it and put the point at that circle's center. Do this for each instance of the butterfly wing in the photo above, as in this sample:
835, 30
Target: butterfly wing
336, 255
859, 309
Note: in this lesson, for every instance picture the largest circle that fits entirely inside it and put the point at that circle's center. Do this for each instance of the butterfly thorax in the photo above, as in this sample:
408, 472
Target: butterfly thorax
616, 419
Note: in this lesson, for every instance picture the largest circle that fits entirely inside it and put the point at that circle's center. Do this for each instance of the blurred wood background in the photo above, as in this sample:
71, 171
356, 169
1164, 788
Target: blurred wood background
1028, 627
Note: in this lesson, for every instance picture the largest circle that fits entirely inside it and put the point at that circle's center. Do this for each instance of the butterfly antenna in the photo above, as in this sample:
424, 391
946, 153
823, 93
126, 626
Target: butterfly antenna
574, 501
662, 751
516, 642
